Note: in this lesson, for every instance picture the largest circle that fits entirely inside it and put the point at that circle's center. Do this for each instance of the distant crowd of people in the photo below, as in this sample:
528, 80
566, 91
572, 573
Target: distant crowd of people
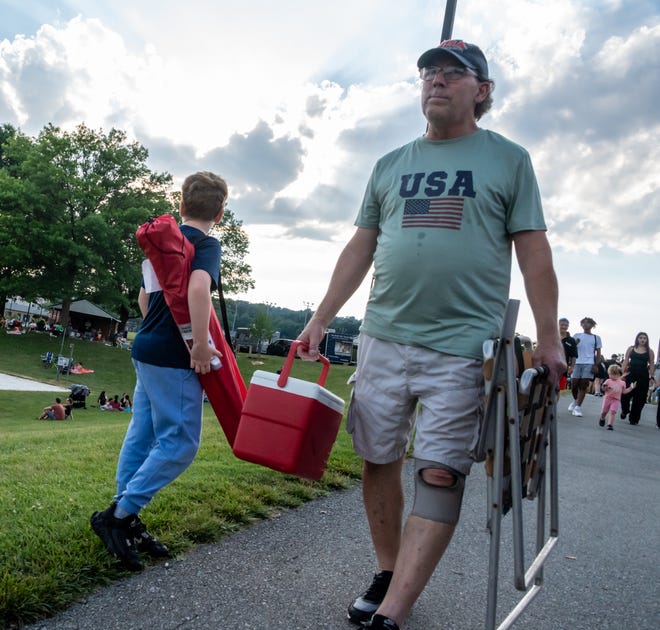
64, 410
25, 324
114, 403
31, 324
625, 382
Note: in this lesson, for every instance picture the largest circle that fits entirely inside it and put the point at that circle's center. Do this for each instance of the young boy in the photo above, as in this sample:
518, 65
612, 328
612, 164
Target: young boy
164, 434
614, 386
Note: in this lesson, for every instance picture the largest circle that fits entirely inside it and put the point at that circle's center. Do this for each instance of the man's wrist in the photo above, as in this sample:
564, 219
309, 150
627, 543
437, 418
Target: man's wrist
319, 320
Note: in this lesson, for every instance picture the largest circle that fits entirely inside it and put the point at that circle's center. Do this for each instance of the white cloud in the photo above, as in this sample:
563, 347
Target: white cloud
330, 158
294, 102
593, 131
81, 71
600, 195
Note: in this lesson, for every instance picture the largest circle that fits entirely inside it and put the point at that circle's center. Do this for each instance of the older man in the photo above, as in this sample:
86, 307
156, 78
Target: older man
438, 221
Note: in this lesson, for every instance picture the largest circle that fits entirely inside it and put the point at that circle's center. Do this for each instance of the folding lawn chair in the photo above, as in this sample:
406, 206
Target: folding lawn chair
519, 425
64, 364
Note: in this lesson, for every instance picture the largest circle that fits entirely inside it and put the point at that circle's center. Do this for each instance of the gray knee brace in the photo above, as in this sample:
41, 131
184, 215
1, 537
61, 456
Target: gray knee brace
437, 503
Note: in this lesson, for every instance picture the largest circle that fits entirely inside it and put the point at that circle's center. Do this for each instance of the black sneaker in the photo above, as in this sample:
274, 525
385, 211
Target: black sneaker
363, 608
601, 422
117, 537
146, 542
380, 622
610, 427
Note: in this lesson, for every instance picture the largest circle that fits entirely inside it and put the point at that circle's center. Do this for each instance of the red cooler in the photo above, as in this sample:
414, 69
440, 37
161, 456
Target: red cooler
288, 424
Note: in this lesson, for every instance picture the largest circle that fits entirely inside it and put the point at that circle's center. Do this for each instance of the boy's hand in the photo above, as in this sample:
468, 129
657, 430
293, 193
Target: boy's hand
201, 355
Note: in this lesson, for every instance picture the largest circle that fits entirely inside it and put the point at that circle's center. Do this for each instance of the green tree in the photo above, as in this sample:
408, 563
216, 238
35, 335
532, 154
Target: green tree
71, 202
234, 271
6, 133
346, 325
262, 327
14, 211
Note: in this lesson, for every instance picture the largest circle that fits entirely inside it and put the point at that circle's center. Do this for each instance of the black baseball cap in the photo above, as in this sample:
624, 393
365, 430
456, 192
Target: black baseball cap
469, 55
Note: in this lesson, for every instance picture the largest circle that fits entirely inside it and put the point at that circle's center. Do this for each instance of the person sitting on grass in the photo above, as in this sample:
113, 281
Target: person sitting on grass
53, 412
113, 404
102, 400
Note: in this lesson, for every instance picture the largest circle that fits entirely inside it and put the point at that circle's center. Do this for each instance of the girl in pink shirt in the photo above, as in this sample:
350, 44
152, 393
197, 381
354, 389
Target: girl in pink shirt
614, 387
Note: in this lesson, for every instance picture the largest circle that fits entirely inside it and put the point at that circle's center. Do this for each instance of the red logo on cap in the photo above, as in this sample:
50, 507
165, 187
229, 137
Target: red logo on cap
453, 43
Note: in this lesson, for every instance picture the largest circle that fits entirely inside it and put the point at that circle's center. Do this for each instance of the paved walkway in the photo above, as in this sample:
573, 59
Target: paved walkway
300, 571
18, 384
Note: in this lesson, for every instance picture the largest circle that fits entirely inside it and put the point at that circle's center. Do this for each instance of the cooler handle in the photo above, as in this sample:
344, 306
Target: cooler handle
288, 364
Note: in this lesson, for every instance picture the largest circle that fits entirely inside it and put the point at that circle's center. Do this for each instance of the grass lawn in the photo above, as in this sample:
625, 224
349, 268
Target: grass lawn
53, 475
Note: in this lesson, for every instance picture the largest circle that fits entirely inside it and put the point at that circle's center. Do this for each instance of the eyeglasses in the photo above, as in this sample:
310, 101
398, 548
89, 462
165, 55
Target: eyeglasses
450, 73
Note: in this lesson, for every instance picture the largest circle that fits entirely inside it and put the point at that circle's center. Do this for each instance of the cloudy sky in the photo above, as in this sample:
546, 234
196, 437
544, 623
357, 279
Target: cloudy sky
293, 101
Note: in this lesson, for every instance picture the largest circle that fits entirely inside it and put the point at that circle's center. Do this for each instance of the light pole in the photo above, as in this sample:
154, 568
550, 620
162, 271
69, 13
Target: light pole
269, 321
308, 306
233, 324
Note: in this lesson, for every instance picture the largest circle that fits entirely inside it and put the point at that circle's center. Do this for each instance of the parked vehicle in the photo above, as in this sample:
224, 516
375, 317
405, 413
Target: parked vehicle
280, 348
337, 348
245, 342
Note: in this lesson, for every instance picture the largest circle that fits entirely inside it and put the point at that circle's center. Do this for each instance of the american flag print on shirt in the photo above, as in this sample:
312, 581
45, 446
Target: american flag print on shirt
441, 212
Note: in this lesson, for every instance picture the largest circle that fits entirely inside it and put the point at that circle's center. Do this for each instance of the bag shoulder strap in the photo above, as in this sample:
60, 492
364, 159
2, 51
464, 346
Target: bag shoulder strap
223, 312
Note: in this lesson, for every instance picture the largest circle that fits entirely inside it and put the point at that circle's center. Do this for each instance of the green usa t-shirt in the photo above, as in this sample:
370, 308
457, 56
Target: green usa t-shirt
445, 211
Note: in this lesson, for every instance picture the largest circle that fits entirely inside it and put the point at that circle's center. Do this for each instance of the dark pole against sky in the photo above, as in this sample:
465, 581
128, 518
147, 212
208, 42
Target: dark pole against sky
448, 24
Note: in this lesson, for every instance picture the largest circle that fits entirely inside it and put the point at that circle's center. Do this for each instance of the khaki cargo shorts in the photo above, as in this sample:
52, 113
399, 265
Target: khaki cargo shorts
398, 388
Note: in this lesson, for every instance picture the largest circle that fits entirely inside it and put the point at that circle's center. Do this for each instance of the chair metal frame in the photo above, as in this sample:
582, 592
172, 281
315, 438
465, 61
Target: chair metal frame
518, 440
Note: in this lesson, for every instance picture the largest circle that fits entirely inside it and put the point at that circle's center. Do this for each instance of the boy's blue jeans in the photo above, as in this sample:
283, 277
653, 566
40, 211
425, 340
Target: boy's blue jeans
163, 436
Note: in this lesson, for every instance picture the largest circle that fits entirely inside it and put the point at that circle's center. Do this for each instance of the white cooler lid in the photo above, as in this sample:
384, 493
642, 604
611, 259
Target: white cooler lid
300, 388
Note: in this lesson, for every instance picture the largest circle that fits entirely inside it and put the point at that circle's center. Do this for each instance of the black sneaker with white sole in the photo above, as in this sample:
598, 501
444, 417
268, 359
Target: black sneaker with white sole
118, 537
364, 607
146, 542
380, 622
